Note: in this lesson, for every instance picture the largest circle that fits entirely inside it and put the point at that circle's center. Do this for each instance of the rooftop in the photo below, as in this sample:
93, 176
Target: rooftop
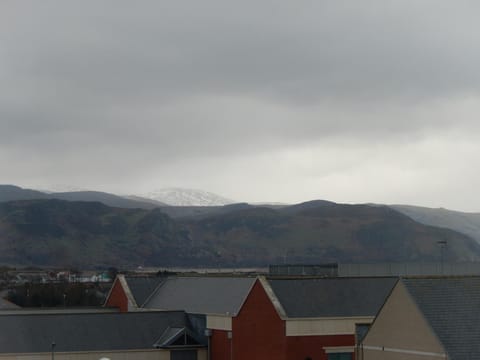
201, 295
332, 297
451, 307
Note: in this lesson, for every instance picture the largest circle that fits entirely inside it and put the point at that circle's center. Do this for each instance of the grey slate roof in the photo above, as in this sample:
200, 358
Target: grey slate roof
452, 308
201, 295
142, 287
85, 332
332, 297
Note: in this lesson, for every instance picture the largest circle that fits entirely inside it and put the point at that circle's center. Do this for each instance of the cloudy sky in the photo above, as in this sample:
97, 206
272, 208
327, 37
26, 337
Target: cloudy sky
350, 101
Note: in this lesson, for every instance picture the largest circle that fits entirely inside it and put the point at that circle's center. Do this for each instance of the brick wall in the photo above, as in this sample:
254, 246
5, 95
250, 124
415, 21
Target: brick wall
117, 297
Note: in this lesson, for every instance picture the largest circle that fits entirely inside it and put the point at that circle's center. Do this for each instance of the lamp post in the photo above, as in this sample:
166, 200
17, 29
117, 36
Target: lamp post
53, 350
442, 244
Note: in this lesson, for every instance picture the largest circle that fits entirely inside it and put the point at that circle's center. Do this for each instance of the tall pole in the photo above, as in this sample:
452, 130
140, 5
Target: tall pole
53, 350
443, 244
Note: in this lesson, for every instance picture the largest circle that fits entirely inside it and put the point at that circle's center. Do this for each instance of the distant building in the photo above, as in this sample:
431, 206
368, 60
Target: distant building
376, 269
330, 270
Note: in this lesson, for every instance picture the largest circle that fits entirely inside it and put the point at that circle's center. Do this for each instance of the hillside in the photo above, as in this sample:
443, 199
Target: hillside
107, 199
187, 197
14, 193
84, 234
321, 231
466, 223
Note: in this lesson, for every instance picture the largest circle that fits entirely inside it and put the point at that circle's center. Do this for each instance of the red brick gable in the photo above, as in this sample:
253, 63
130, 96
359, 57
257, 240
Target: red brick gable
117, 297
258, 330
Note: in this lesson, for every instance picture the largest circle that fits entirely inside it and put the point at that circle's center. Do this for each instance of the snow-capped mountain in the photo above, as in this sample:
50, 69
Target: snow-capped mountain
187, 197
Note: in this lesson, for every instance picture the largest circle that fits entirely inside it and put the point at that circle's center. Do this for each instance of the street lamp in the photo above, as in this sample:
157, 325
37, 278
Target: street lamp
53, 350
442, 244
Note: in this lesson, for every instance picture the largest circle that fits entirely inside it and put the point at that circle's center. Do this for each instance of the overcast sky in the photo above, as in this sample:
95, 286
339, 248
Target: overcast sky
286, 101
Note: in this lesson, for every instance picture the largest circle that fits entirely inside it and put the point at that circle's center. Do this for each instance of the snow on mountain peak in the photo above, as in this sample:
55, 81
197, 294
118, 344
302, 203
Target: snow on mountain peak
187, 197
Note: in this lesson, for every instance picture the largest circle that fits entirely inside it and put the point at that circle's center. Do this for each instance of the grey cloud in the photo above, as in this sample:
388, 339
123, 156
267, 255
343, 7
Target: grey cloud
295, 53
100, 85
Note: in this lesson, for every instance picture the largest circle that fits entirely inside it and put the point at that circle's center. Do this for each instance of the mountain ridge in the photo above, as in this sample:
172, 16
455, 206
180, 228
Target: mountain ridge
52, 232
464, 222
187, 197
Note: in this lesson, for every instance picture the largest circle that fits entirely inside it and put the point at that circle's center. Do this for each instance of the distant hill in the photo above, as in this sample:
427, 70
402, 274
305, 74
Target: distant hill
90, 234
187, 197
466, 223
145, 200
14, 193
87, 234
323, 232
105, 198
198, 212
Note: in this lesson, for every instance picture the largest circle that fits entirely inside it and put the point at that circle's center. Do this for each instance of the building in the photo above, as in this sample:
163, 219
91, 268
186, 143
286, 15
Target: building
315, 319
260, 318
142, 336
427, 318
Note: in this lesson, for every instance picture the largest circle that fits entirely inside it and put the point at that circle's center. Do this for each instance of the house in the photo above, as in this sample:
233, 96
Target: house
218, 296
316, 318
427, 318
209, 300
260, 318
82, 336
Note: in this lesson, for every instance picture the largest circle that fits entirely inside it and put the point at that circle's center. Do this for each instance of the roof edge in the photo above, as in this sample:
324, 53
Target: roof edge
273, 298
154, 291
237, 311
414, 302
126, 288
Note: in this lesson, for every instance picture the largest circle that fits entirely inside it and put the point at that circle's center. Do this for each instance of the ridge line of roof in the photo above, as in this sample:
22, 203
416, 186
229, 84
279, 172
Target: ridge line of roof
246, 296
273, 297
128, 291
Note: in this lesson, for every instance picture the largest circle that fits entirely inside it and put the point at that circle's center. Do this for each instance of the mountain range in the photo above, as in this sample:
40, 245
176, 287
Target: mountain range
91, 229
187, 197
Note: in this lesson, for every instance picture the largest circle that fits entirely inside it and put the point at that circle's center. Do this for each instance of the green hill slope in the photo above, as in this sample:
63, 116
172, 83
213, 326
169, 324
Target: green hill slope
466, 223
324, 232
84, 234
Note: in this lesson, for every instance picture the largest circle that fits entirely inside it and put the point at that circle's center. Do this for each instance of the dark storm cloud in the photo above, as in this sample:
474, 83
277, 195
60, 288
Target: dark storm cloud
94, 55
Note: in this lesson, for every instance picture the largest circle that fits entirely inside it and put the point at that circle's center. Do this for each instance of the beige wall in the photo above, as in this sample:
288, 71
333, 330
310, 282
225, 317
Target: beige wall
218, 322
324, 326
125, 355
401, 332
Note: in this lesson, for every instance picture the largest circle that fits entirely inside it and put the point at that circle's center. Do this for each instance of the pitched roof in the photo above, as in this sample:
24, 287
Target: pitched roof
451, 307
331, 297
85, 332
142, 287
201, 295
177, 337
